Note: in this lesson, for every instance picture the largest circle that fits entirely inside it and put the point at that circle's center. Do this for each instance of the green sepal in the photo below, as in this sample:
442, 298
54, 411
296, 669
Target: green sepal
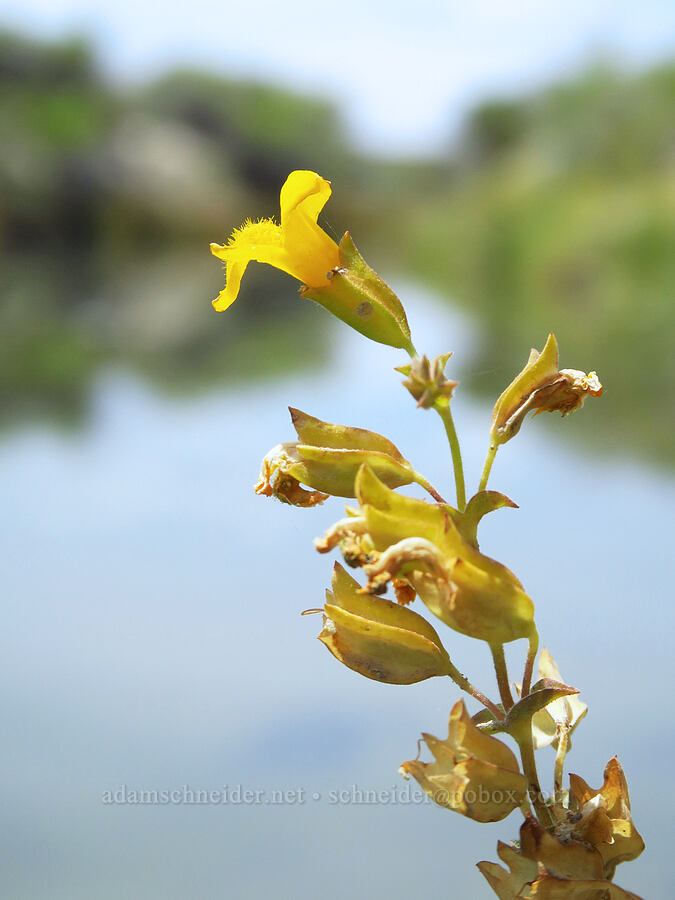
360, 298
378, 638
392, 517
479, 505
545, 691
540, 369
334, 471
311, 430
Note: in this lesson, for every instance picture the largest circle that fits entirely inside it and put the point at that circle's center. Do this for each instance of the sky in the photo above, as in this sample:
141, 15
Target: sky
403, 73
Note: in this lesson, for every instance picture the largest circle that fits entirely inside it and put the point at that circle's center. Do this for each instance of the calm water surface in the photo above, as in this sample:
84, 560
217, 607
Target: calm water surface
152, 641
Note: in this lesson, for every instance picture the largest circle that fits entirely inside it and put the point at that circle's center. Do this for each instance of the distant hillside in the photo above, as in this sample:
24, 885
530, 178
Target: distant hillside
558, 213
555, 211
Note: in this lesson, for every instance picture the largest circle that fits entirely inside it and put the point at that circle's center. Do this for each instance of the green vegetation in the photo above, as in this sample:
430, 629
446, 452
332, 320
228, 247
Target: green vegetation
560, 215
555, 211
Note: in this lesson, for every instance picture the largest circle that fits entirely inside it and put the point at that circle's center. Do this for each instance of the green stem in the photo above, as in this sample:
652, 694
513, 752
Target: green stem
464, 683
563, 744
530, 770
421, 480
525, 807
489, 459
529, 662
502, 675
443, 410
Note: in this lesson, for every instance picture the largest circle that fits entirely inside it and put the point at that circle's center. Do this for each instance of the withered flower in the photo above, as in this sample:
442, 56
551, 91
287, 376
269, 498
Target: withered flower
420, 542
473, 773
605, 819
326, 458
566, 867
281, 472
548, 888
541, 387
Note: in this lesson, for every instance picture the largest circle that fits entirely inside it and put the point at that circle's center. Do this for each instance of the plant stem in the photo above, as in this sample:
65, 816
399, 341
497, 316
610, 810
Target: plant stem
529, 663
525, 807
489, 459
502, 675
443, 410
530, 770
464, 683
563, 744
421, 480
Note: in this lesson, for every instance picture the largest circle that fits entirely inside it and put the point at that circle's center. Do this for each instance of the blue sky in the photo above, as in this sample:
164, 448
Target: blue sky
404, 72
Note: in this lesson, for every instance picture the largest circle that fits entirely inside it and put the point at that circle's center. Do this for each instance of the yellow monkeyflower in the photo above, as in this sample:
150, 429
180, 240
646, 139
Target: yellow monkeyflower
333, 275
297, 246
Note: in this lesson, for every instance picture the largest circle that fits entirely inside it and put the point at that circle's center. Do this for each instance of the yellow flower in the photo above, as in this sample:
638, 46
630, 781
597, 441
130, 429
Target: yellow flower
334, 276
298, 246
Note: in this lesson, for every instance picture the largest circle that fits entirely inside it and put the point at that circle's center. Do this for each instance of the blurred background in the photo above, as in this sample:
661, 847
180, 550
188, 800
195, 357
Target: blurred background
508, 169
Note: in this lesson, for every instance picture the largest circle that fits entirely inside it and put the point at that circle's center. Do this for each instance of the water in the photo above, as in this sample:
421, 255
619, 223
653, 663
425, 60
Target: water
152, 642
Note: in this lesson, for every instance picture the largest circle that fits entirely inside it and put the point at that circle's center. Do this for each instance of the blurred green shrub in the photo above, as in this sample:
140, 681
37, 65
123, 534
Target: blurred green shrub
554, 211
559, 214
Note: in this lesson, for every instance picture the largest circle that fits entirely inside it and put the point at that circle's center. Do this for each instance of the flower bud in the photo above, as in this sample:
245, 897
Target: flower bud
378, 638
541, 387
426, 380
472, 773
359, 297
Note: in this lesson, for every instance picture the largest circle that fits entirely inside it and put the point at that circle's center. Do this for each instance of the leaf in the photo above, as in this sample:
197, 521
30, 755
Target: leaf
480, 505
545, 691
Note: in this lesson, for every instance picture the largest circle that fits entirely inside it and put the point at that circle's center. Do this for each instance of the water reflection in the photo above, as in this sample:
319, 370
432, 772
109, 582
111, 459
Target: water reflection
66, 319
153, 638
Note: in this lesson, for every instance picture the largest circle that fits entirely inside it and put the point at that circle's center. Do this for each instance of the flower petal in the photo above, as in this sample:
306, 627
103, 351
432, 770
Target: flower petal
255, 241
306, 191
313, 253
234, 273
